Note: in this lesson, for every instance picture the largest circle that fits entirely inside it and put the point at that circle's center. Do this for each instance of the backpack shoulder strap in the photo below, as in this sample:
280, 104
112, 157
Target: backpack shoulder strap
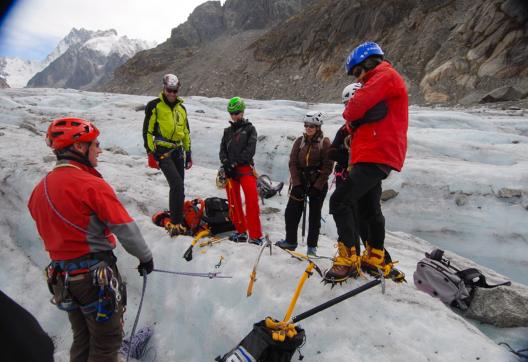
474, 277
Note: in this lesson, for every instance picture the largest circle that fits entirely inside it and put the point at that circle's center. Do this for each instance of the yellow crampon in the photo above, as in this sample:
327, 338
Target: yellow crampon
372, 261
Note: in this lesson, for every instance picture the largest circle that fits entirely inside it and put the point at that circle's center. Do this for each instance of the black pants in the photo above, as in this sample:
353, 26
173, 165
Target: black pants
361, 191
293, 213
174, 171
358, 218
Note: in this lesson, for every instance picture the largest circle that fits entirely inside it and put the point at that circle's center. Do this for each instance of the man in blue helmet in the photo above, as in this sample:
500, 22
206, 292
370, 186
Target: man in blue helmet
377, 147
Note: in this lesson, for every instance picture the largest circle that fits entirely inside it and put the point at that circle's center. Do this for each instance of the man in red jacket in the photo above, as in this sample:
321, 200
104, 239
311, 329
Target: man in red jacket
79, 218
377, 148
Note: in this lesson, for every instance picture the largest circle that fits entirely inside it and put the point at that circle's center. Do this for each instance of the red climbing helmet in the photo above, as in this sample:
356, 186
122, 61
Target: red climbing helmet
64, 132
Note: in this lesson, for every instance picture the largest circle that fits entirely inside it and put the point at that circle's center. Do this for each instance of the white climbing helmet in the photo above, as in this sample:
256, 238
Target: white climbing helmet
349, 91
314, 117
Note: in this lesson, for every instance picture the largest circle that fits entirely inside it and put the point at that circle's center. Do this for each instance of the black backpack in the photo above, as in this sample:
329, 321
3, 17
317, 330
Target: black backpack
259, 346
216, 215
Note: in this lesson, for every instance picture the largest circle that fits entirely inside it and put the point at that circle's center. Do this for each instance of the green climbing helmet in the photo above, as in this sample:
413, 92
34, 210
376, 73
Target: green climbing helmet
236, 104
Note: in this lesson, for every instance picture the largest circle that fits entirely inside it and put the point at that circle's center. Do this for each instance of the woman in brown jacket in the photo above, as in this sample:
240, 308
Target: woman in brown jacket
309, 170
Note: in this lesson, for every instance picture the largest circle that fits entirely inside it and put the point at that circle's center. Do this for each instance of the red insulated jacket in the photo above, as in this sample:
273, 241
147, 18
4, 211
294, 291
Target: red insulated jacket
384, 141
77, 213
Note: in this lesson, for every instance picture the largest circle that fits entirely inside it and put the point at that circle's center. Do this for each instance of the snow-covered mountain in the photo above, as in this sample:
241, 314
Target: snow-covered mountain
16, 72
454, 185
86, 59
92, 57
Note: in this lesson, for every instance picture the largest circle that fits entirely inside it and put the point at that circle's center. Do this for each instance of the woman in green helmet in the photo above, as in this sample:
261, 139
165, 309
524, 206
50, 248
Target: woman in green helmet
236, 155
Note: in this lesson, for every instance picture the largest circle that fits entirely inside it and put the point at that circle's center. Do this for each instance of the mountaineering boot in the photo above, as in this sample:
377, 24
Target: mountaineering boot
175, 229
258, 241
373, 258
285, 244
239, 237
312, 251
374, 262
346, 264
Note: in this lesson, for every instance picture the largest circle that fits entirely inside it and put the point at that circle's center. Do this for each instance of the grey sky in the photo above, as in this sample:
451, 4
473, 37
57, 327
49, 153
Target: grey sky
33, 27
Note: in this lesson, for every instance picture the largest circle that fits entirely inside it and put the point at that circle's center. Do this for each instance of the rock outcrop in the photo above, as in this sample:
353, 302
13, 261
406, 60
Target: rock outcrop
448, 51
3, 83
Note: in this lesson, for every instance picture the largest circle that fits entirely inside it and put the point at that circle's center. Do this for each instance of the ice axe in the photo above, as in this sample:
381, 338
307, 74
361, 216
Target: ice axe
284, 329
188, 253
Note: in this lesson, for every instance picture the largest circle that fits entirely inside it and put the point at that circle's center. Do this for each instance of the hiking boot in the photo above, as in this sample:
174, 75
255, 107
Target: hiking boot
346, 264
175, 229
285, 244
312, 250
372, 257
239, 237
258, 241
373, 260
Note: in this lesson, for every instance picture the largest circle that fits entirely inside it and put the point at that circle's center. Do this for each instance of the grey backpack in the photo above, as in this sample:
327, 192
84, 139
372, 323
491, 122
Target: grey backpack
436, 276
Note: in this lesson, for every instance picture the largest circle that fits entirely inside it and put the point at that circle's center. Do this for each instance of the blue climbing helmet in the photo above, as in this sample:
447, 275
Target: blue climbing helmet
360, 53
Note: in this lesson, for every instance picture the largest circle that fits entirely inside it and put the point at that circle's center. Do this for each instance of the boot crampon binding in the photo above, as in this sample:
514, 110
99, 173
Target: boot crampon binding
378, 263
375, 262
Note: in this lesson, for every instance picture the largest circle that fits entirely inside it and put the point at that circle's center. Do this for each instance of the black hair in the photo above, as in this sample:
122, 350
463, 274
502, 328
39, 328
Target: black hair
372, 62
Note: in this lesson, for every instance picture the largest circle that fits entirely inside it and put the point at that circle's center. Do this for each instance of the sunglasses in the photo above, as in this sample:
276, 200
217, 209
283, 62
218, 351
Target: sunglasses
307, 125
236, 113
171, 90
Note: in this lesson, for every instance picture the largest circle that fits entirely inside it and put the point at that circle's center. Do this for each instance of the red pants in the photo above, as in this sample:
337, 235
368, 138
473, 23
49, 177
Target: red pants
250, 221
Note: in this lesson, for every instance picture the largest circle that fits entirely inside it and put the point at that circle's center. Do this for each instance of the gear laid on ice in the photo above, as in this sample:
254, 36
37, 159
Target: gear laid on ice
253, 275
266, 189
161, 218
374, 262
175, 229
213, 240
346, 265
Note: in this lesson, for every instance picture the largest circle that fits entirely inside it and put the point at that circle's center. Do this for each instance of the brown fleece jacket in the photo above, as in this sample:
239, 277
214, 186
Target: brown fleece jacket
309, 163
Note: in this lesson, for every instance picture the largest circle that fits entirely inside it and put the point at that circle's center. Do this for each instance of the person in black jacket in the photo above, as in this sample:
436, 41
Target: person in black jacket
237, 149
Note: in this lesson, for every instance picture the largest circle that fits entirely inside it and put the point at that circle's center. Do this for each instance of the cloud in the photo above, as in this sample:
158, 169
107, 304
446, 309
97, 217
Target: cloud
33, 23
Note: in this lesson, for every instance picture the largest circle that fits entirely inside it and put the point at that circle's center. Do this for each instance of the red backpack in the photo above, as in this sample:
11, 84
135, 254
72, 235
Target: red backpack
193, 211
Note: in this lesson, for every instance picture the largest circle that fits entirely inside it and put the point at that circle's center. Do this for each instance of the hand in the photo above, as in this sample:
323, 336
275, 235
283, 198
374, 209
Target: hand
152, 163
297, 192
229, 169
146, 267
314, 192
188, 160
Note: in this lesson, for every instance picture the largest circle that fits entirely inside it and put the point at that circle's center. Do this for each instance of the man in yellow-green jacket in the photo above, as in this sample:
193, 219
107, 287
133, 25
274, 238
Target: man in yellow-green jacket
167, 140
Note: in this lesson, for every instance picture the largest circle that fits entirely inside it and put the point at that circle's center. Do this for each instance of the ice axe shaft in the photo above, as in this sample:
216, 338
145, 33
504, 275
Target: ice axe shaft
336, 300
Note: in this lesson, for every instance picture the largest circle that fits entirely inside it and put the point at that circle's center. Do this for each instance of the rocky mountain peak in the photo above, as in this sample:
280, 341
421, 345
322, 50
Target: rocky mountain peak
211, 20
